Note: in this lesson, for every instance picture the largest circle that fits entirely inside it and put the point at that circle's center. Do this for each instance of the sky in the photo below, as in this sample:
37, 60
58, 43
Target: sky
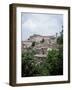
41, 24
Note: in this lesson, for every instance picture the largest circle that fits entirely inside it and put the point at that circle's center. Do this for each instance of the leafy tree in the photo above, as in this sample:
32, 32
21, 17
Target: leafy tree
28, 63
54, 62
60, 38
60, 43
41, 70
33, 43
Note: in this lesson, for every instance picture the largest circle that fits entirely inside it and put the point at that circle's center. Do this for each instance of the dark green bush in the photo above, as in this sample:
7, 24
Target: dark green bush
54, 62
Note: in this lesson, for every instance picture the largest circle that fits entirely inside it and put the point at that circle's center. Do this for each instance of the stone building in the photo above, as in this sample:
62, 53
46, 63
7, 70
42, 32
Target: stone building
49, 43
38, 38
26, 44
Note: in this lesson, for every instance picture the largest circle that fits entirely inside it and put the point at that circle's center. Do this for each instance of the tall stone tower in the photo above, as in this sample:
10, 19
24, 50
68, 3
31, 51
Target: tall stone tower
56, 37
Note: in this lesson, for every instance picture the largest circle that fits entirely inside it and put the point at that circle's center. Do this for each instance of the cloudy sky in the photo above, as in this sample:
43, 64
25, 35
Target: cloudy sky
42, 24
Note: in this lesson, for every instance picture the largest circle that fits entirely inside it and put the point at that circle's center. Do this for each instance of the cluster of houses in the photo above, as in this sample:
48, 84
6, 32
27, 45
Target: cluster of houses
42, 44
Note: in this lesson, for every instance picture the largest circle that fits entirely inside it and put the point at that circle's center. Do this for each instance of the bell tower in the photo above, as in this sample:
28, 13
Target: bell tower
56, 37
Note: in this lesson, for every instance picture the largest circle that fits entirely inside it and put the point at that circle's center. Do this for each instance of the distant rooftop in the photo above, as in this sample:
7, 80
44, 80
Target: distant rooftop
36, 35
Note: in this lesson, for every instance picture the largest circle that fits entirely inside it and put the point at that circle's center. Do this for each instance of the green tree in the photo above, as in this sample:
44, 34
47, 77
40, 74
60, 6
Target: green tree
28, 63
60, 38
60, 43
54, 62
33, 43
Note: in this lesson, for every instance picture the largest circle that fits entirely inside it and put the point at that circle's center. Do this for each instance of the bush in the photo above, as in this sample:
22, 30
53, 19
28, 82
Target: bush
28, 63
54, 62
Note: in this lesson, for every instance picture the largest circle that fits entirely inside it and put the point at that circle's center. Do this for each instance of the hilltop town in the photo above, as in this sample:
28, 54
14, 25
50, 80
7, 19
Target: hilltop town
41, 44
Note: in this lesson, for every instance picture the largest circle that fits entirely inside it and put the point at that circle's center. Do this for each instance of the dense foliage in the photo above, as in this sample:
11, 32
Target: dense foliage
28, 63
54, 62
33, 44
